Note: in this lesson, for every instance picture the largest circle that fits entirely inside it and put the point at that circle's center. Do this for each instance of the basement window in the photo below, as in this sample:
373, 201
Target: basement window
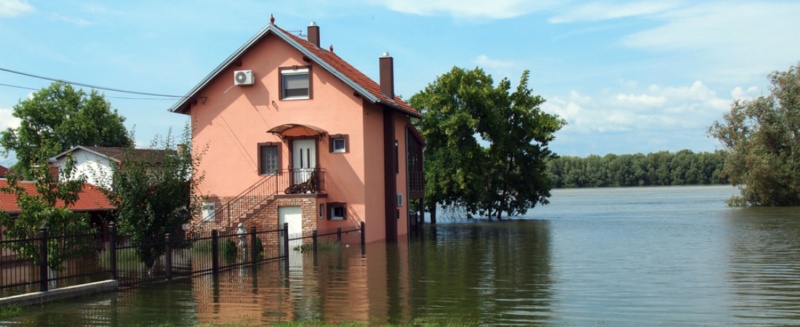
338, 210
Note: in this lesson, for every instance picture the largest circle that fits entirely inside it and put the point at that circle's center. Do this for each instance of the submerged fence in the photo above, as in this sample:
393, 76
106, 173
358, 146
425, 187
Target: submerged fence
47, 262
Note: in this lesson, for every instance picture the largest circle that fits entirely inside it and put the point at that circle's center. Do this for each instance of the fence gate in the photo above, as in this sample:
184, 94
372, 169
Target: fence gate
294, 217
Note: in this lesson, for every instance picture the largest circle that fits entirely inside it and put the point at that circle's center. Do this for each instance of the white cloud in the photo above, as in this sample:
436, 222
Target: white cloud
654, 108
640, 119
11, 8
470, 9
740, 93
485, 61
71, 20
7, 119
730, 40
604, 11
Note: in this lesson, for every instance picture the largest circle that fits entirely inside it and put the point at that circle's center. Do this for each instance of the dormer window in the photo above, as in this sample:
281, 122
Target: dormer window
295, 83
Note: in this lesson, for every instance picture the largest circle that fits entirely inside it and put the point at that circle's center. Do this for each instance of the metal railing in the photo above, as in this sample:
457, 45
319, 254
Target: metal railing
110, 256
287, 181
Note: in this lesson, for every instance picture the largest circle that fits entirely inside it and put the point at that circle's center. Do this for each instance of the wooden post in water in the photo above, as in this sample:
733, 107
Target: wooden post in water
314, 242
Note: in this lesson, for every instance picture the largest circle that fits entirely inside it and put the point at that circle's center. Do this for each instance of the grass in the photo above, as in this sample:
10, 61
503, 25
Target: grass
123, 255
317, 323
321, 246
10, 311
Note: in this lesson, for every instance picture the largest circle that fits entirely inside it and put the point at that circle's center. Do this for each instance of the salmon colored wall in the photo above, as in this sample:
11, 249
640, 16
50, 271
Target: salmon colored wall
373, 163
232, 120
400, 135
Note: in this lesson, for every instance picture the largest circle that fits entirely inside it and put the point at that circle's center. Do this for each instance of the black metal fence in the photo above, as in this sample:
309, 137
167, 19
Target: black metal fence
47, 262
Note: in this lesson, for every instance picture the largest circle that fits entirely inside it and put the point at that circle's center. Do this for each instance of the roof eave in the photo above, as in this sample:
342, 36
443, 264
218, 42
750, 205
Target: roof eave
180, 106
400, 109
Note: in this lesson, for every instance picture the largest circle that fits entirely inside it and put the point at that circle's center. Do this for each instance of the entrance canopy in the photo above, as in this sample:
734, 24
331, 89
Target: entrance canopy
297, 130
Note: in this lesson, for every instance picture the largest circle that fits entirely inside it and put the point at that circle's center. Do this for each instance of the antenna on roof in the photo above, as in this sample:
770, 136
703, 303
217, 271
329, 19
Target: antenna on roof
271, 19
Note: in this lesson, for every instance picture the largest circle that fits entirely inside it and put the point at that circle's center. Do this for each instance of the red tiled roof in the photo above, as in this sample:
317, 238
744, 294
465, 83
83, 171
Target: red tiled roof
327, 59
91, 198
350, 72
3, 171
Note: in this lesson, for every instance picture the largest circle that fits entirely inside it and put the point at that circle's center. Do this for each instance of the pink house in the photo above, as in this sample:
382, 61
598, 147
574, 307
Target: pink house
294, 134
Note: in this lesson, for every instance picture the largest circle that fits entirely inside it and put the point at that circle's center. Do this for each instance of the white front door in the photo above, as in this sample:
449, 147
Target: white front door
294, 217
304, 159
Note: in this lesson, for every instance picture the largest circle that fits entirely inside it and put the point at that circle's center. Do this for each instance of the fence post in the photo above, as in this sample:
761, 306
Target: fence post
112, 249
214, 252
363, 236
314, 241
339, 235
253, 241
43, 260
168, 256
286, 240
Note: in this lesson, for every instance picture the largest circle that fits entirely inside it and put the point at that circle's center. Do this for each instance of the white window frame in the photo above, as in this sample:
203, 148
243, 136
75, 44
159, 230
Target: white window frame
295, 72
339, 141
209, 211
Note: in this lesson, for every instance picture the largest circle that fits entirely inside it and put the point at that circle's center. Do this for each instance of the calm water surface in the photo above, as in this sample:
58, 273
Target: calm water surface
608, 257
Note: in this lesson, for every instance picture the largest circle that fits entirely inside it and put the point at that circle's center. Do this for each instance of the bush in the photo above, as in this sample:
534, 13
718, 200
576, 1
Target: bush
259, 247
229, 250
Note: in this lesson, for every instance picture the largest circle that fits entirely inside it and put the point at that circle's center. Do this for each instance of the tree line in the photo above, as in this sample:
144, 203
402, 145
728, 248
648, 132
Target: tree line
662, 168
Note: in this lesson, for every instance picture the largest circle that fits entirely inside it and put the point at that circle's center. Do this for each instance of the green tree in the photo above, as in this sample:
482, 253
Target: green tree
486, 146
57, 118
762, 138
47, 207
155, 194
518, 135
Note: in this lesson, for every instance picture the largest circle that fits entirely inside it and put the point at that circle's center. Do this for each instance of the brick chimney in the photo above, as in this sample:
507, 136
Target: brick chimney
53, 171
387, 75
313, 34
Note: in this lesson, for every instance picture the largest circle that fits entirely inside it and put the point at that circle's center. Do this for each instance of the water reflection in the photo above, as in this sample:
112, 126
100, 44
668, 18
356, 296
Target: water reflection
497, 273
764, 264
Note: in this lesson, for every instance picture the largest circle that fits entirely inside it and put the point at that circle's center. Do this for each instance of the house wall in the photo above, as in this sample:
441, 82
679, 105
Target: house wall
373, 161
96, 169
230, 121
400, 135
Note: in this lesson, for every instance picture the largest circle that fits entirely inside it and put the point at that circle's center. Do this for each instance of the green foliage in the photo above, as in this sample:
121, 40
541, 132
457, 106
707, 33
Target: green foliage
762, 137
486, 145
155, 194
10, 310
259, 247
42, 209
654, 169
321, 246
229, 249
57, 118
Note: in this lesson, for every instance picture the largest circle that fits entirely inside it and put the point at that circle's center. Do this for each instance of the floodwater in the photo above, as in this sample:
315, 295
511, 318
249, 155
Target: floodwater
610, 257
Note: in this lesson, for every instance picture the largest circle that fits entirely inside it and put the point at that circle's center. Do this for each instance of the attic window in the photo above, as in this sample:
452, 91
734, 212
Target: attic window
295, 83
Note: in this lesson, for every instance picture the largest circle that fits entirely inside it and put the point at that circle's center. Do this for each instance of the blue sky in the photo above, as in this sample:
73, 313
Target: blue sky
627, 76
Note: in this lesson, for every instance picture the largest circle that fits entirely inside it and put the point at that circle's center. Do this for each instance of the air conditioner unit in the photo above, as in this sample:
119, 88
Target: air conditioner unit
243, 77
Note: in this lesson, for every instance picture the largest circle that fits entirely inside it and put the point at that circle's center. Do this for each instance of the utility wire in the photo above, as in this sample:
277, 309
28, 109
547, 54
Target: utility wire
106, 96
89, 85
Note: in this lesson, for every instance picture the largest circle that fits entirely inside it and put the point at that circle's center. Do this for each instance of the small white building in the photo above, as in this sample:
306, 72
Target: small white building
95, 163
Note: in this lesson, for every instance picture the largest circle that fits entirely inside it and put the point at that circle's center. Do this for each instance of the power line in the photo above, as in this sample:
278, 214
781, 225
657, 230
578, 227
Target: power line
106, 96
19, 87
89, 85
